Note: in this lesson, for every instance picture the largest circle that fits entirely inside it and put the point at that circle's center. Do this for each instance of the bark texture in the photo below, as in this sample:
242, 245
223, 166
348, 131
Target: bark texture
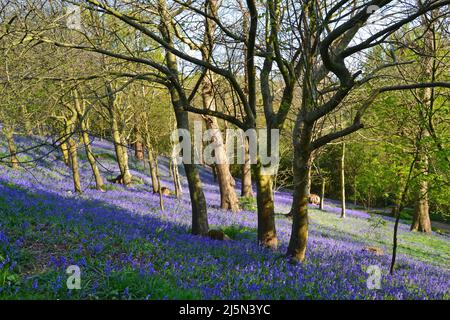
342, 175
421, 218
9, 134
246, 175
73, 152
119, 141
81, 110
267, 235
179, 101
228, 197
153, 170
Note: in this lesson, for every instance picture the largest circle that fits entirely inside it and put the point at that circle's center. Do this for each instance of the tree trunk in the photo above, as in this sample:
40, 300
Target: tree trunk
246, 179
322, 194
342, 168
179, 101
121, 152
65, 151
421, 218
73, 152
124, 143
28, 127
120, 144
91, 158
199, 213
396, 213
175, 176
158, 181
9, 133
214, 172
302, 165
228, 197
308, 188
267, 235
138, 146
80, 113
198, 202
153, 171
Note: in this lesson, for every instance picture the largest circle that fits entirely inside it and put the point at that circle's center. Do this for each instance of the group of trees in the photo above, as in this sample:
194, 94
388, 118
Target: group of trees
134, 70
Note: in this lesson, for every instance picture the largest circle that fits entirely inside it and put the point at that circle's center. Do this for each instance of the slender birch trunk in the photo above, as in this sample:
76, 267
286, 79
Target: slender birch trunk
119, 141
81, 110
158, 181
99, 185
153, 171
246, 174
342, 171
73, 152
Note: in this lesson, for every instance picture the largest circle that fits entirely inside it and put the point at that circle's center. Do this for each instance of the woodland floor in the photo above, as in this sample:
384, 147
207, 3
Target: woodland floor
127, 248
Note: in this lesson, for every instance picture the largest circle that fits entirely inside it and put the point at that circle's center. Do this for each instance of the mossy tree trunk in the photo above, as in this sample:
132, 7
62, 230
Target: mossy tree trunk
158, 181
421, 218
179, 101
73, 151
302, 166
199, 213
99, 185
138, 145
81, 114
69, 133
153, 169
267, 235
342, 181
9, 134
120, 145
64, 149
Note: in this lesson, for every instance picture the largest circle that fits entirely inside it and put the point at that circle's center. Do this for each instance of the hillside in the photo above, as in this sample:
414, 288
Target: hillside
128, 249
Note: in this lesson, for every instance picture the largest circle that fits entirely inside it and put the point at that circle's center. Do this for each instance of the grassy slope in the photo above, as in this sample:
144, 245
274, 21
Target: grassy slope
39, 239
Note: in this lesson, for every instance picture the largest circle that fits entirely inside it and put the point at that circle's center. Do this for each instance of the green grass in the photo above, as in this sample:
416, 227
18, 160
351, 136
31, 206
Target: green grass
137, 180
237, 232
248, 203
111, 186
105, 156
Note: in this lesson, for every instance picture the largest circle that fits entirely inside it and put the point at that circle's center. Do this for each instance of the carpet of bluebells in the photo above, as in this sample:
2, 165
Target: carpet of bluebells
127, 248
